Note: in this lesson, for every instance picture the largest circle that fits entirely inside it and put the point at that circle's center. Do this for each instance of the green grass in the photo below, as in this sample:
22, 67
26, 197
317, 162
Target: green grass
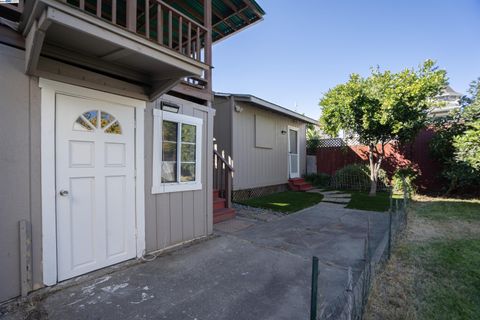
449, 209
434, 272
288, 201
362, 201
449, 285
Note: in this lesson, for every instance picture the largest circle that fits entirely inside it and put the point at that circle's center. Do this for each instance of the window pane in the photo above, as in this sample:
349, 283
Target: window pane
92, 117
188, 152
169, 172
106, 119
188, 172
170, 131
81, 125
169, 151
114, 128
188, 133
293, 141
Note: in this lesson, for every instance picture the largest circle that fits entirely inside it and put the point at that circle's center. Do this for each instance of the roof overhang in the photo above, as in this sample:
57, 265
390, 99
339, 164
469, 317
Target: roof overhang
258, 102
56, 30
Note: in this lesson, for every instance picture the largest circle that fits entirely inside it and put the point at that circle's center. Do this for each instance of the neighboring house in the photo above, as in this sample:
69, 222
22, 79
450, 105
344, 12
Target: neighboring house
451, 101
266, 142
106, 126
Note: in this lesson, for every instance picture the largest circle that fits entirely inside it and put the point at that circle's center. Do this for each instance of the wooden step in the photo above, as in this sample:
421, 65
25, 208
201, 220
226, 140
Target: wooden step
216, 193
220, 215
219, 203
300, 187
296, 180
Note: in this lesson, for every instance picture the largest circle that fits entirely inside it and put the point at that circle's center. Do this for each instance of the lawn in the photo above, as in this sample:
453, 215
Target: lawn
288, 201
362, 201
433, 273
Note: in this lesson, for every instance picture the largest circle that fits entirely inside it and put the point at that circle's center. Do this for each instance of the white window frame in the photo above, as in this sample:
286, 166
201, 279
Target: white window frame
157, 186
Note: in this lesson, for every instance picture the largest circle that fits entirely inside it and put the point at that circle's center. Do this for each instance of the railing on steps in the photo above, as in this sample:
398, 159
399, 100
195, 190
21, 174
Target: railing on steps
222, 175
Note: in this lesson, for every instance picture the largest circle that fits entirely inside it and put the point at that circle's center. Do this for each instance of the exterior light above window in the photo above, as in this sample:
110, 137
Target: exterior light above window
169, 107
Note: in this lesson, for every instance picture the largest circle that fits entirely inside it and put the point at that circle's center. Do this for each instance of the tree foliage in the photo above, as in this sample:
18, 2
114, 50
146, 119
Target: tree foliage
313, 139
456, 143
383, 107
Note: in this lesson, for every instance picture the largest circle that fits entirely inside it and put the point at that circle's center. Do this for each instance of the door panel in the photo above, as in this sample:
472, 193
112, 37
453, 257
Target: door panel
293, 154
95, 184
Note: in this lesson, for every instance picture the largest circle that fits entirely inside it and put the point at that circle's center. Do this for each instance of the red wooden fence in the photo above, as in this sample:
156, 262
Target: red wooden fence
417, 153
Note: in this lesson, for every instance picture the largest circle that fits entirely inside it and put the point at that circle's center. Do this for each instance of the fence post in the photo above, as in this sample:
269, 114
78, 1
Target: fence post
390, 231
405, 192
314, 293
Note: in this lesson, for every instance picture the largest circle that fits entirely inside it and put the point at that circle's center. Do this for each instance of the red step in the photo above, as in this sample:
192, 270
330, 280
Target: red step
299, 184
216, 193
219, 203
223, 214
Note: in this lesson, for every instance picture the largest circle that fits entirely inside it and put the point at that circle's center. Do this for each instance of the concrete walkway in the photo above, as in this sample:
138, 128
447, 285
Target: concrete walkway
252, 270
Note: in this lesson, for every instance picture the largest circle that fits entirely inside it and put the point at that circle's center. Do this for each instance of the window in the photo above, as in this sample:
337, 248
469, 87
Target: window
177, 152
88, 121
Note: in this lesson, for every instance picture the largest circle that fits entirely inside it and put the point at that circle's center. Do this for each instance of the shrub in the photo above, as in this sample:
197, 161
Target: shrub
408, 173
318, 179
357, 177
455, 144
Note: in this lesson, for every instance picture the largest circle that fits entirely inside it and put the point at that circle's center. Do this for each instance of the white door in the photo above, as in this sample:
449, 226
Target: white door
95, 184
293, 155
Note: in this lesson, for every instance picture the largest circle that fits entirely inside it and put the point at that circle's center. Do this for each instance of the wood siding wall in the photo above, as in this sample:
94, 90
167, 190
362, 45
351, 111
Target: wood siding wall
173, 218
20, 187
258, 167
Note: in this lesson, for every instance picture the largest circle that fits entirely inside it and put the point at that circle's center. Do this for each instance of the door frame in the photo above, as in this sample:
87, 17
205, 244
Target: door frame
49, 89
288, 150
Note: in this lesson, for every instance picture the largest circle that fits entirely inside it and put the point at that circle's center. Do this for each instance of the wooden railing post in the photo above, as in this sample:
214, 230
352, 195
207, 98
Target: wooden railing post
132, 15
207, 9
228, 188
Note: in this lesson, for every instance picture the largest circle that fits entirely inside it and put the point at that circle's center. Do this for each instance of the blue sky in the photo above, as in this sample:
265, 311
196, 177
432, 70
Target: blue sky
304, 47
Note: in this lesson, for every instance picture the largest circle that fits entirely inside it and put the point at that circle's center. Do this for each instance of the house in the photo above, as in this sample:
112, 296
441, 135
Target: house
450, 100
267, 143
106, 125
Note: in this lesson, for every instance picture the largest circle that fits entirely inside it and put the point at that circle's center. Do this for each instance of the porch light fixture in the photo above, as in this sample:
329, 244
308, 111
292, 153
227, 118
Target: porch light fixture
169, 107
284, 132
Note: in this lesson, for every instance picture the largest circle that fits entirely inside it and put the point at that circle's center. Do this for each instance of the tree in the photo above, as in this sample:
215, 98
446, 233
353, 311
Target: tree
456, 144
383, 107
313, 139
467, 147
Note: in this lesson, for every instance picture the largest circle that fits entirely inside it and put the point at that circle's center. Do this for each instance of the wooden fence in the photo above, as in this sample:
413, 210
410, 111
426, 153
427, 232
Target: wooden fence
417, 153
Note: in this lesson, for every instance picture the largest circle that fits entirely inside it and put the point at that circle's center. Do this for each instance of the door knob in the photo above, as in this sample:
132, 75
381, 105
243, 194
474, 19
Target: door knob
63, 193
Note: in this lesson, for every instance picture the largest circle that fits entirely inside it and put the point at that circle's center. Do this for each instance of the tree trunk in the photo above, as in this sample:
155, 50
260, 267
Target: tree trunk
373, 182
374, 168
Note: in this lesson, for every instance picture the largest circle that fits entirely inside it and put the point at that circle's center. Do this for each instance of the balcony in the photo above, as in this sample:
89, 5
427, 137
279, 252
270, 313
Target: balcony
145, 42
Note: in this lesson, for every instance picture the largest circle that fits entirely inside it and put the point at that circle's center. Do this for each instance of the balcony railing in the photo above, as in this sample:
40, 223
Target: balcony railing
154, 20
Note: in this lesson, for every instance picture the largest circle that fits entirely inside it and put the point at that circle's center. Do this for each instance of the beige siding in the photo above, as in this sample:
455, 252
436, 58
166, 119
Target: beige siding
257, 167
222, 130
20, 189
173, 218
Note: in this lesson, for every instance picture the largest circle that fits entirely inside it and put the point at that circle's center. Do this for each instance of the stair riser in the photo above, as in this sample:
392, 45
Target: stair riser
223, 217
219, 204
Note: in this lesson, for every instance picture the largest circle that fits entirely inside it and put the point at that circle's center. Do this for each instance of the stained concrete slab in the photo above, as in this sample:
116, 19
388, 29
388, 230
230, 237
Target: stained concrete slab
259, 272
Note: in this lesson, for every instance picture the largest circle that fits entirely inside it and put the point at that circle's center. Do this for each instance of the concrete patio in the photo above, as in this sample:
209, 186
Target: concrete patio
252, 270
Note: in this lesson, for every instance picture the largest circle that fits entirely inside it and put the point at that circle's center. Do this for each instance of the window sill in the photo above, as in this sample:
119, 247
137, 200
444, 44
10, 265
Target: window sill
176, 187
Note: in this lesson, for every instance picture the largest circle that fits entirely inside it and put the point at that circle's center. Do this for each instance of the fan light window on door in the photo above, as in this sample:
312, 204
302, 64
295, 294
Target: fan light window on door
97, 120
